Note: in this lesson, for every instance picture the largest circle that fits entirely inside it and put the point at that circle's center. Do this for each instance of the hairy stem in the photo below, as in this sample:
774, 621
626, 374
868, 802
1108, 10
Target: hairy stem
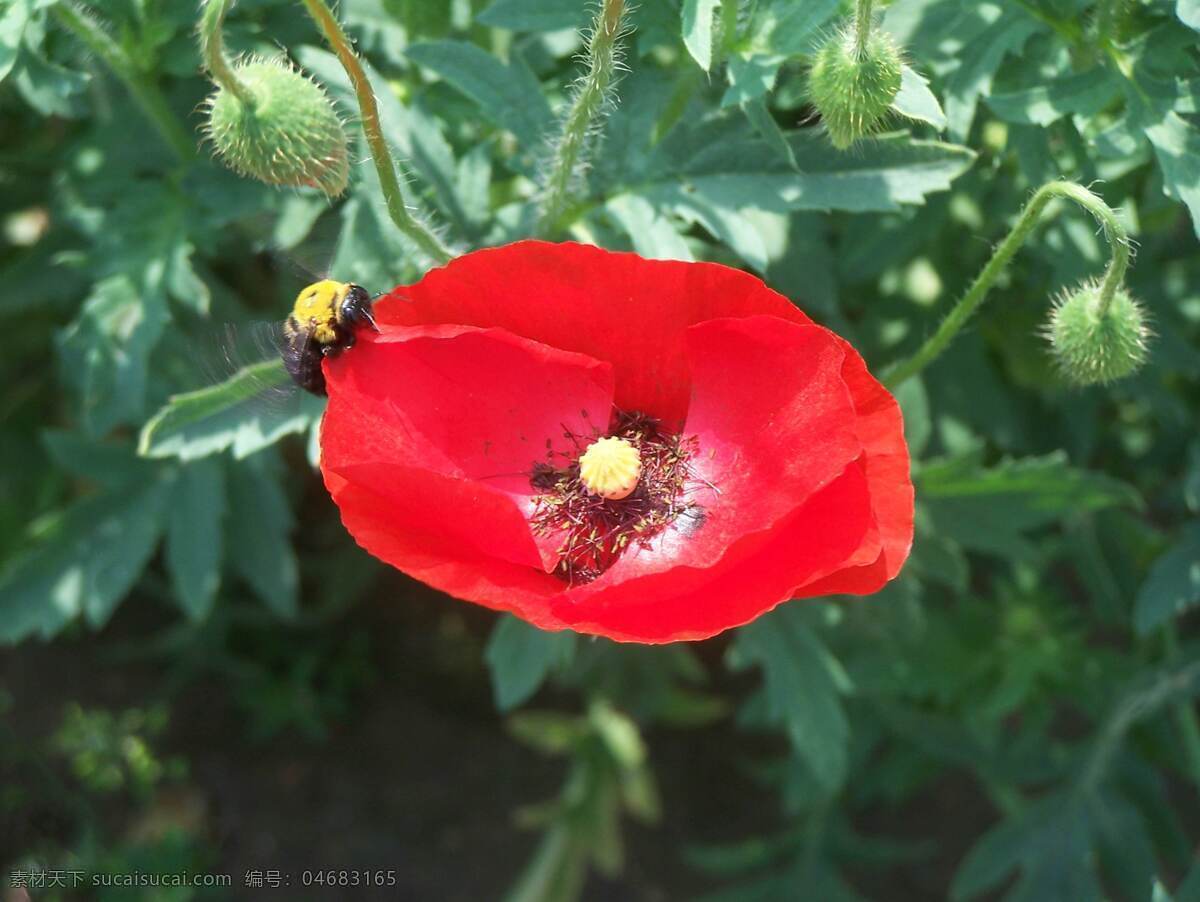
418, 232
1118, 241
212, 48
863, 12
79, 21
586, 105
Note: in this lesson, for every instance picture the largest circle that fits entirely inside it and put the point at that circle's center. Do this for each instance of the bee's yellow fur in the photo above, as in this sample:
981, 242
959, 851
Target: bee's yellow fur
318, 307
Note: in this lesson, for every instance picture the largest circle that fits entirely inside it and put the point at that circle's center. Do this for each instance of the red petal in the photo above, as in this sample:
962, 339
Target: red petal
880, 427
758, 572
445, 423
774, 424
616, 307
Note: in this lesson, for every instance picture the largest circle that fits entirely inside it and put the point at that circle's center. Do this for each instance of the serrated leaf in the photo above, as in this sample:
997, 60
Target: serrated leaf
251, 410
989, 509
697, 23
750, 77
507, 93
1086, 93
85, 563
916, 101
258, 532
802, 682
535, 15
1010, 28
768, 129
105, 352
652, 234
520, 657
1173, 585
724, 186
1177, 146
194, 533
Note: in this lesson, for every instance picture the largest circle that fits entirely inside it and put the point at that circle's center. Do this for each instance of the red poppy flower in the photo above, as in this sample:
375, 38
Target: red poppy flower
769, 464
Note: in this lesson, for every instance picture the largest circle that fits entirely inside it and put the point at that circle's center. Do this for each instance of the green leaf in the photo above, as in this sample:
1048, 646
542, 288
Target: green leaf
520, 657
730, 180
1010, 28
802, 681
786, 28
12, 29
990, 509
1188, 12
1086, 93
1049, 841
106, 463
1177, 147
194, 536
1173, 585
768, 129
916, 101
49, 88
258, 532
105, 352
535, 15
507, 93
697, 16
750, 77
85, 562
252, 409
652, 234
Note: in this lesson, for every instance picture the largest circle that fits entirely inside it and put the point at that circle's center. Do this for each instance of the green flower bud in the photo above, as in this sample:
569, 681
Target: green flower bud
1093, 347
290, 134
853, 87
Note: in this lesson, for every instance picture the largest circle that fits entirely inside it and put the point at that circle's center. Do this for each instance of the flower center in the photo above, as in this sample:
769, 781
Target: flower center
610, 468
621, 492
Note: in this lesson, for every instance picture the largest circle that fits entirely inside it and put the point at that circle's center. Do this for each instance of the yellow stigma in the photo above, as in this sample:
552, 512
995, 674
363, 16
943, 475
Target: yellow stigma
317, 306
610, 468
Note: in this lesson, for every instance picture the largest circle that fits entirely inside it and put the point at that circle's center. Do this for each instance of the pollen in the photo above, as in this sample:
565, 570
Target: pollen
610, 468
618, 494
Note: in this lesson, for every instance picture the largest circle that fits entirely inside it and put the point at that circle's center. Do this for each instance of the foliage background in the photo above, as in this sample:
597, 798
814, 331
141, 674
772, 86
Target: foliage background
206, 674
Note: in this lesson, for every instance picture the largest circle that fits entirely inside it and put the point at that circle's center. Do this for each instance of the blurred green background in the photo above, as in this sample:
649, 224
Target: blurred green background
201, 672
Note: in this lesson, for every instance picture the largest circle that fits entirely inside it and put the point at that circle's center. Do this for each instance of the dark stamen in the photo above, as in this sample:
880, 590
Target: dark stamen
596, 531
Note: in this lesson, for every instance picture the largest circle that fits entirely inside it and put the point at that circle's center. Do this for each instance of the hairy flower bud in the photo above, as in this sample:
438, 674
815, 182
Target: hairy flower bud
289, 135
853, 85
1092, 346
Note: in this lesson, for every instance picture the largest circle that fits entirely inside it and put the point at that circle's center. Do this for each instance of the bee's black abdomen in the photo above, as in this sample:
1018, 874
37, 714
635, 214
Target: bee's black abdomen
302, 359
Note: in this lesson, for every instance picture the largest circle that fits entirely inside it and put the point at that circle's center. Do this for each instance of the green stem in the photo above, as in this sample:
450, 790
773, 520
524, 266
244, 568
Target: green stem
586, 105
1118, 241
212, 47
418, 232
147, 95
863, 13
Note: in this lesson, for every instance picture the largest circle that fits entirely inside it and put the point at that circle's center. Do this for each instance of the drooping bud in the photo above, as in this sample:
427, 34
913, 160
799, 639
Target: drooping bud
1095, 345
853, 82
610, 468
288, 134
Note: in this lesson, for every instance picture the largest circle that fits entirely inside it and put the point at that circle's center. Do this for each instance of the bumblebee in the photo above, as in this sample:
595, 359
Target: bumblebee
323, 323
